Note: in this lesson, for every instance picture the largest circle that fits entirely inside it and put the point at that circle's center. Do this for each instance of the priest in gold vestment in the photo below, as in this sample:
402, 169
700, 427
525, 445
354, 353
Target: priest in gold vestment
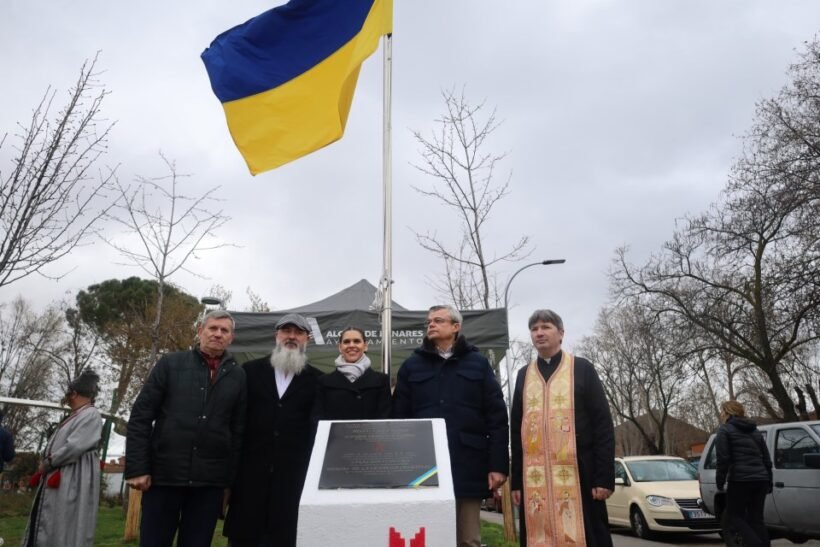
563, 444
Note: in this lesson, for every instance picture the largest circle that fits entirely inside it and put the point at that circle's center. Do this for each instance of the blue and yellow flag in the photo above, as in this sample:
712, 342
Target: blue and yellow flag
286, 77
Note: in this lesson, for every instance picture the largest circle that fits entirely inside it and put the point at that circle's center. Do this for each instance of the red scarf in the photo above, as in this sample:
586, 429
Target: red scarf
213, 364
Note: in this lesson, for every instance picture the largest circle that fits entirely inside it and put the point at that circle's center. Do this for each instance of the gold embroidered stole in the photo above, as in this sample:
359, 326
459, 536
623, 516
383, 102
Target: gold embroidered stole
552, 488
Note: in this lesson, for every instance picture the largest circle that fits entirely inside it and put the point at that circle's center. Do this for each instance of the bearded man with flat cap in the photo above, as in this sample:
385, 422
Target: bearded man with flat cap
279, 434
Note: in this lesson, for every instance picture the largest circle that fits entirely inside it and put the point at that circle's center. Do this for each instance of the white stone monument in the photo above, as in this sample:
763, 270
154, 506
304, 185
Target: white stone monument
340, 507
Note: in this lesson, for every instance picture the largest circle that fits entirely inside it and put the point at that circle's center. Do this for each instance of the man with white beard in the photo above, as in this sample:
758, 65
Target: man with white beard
264, 503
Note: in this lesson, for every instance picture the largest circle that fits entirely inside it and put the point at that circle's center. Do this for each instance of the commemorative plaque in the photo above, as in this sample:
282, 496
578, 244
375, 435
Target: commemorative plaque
389, 454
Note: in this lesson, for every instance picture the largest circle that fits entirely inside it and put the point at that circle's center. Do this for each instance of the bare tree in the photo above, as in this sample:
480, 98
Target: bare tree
77, 349
257, 304
641, 369
744, 275
51, 199
170, 228
456, 156
221, 293
26, 369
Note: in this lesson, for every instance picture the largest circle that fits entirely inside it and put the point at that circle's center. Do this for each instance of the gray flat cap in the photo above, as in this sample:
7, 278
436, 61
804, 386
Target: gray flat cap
293, 319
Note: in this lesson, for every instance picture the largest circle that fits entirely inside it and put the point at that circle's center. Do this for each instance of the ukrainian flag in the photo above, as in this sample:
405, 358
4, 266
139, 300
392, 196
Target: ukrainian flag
286, 77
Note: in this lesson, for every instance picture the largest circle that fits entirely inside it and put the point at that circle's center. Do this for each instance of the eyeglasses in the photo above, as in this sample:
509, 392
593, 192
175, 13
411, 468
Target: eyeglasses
438, 321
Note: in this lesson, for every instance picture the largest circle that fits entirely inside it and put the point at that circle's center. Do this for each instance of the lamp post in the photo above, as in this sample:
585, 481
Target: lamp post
507, 310
212, 301
506, 501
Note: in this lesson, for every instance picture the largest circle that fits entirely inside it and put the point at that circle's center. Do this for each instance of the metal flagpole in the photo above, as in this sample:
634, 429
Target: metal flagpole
387, 176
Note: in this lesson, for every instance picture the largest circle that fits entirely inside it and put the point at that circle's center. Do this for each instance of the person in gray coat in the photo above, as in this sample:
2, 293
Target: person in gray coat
64, 513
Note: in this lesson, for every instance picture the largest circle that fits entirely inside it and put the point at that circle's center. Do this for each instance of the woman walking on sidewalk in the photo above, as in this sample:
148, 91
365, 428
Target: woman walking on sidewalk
743, 459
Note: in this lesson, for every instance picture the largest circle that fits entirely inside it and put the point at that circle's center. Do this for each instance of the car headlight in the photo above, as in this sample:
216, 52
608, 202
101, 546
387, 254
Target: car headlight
658, 501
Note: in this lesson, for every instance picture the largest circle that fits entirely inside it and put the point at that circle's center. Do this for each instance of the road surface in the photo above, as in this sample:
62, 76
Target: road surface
623, 537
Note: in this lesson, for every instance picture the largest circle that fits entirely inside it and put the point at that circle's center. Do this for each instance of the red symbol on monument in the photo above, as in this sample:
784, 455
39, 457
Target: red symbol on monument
396, 540
378, 447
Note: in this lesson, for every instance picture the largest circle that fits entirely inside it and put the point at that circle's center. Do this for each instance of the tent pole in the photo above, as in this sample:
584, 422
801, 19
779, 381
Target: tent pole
387, 168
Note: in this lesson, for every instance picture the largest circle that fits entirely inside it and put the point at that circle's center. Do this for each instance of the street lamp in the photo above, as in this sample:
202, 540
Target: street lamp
212, 301
507, 310
521, 269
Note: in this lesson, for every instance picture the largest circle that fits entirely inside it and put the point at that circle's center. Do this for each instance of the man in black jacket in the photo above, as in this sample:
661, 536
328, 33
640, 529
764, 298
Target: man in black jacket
448, 378
185, 436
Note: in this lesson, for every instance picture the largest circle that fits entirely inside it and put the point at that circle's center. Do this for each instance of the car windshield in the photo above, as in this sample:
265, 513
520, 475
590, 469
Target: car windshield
816, 428
661, 470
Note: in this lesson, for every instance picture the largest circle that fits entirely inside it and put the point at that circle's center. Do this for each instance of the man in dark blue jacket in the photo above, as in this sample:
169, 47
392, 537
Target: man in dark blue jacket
449, 378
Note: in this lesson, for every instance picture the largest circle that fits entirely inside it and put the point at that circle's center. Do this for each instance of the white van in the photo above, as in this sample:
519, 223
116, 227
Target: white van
792, 508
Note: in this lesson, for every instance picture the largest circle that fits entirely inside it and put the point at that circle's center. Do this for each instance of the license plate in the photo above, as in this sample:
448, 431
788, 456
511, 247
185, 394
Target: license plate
699, 515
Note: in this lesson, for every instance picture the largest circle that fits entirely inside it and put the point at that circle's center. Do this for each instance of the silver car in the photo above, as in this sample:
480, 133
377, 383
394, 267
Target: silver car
792, 508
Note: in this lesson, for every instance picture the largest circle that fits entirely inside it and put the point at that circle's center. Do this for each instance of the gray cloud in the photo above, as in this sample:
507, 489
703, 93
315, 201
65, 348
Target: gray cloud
619, 118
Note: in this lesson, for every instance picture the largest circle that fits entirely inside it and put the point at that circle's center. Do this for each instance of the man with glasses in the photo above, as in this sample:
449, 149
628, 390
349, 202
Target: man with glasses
449, 378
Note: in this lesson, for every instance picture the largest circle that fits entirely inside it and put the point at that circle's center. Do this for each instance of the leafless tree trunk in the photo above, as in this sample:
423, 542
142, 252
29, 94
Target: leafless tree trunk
51, 200
456, 156
170, 228
814, 401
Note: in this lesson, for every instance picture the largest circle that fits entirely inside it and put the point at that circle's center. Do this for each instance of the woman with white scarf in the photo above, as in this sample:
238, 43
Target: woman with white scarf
353, 391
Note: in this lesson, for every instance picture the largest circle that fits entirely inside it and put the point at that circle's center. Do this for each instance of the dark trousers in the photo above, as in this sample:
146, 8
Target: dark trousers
192, 510
744, 511
266, 541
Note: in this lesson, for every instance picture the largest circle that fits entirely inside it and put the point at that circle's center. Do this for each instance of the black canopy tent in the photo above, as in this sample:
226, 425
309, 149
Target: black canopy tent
487, 329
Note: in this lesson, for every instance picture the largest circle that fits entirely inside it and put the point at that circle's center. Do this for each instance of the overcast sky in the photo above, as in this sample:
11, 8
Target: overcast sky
619, 117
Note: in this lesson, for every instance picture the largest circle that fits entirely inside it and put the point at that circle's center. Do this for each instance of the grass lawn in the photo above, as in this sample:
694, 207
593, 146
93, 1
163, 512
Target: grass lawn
14, 509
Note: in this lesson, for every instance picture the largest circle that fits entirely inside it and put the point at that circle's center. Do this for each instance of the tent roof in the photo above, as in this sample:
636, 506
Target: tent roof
328, 317
358, 296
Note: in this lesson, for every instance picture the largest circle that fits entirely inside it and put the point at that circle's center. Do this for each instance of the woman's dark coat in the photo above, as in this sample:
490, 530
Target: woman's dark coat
463, 390
368, 398
278, 441
742, 454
